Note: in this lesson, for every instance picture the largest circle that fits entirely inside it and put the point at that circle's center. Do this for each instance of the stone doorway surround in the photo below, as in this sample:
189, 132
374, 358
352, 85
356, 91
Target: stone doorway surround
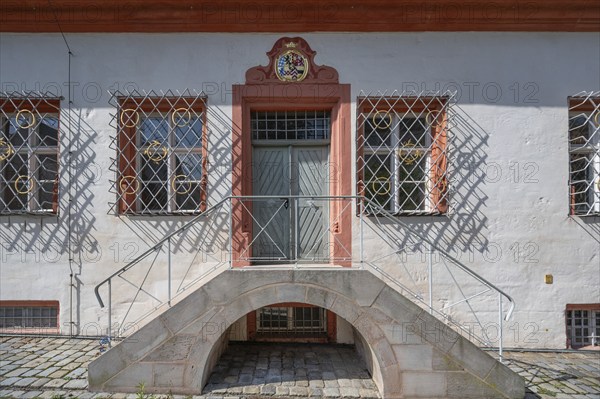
265, 91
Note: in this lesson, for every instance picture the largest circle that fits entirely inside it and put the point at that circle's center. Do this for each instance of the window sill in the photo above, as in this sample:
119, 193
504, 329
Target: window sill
160, 214
586, 215
408, 214
30, 331
29, 214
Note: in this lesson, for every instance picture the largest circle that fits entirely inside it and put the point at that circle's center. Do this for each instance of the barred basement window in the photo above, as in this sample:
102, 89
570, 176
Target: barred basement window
583, 325
16, 315
292, 319
584, 153
162, 154
29, 138
402, 154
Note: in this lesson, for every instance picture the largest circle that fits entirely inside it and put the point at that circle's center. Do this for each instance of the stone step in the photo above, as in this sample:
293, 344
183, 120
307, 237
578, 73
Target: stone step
409, 352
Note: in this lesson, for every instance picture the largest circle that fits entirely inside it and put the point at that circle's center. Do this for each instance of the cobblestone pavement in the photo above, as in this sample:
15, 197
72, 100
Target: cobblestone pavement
559, 375
291, 370
55, 368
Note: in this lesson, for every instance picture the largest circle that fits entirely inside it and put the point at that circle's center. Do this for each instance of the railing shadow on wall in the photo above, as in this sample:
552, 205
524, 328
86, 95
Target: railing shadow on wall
589, 224
150, 228
46, 238
430, 257
462, 230
198, 243
161, 278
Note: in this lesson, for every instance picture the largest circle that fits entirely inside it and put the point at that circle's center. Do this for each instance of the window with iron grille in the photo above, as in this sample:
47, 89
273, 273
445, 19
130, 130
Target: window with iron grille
291, 319
162, 155
402, 154
584, 153
29, 151
29, 316
583, 325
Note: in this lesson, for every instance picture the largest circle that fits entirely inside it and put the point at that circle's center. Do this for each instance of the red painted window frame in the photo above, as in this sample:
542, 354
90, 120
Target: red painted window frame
127, 202
439, 171
50, 106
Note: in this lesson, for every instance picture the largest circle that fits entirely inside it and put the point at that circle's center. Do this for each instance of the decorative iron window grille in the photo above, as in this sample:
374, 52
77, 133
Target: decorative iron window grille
161, 166
19, 317
403, 152
584, 153
291, 125
292, 319
29, 152
583, 327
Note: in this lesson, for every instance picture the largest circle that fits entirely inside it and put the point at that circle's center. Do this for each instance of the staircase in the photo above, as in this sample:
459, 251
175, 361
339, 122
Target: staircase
413, 349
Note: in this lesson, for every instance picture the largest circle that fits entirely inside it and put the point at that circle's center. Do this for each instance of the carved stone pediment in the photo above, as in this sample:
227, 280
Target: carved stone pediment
291, 61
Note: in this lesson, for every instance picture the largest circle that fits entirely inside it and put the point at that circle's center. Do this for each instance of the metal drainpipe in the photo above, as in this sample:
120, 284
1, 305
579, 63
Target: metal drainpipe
69, 170
71, 305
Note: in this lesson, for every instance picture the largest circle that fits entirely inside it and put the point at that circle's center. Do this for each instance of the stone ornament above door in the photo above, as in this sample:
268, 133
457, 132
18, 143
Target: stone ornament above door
291, 61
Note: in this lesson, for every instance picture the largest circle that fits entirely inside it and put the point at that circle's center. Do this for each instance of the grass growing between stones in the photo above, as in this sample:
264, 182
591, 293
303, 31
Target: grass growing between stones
141, 394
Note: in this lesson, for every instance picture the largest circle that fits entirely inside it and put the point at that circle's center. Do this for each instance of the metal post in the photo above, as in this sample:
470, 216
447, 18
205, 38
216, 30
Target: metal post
169, 266
230, 233
362, 255
108, 331
500, 326
430, 272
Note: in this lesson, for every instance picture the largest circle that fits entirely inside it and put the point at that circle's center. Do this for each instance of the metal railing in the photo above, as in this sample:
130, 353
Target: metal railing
205, 245
448, 261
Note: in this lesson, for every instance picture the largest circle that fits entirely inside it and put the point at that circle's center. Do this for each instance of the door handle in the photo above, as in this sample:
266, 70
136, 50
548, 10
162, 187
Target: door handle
286, 203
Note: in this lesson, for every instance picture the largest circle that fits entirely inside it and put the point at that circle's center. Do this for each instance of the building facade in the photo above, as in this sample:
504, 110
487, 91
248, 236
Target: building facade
458, 161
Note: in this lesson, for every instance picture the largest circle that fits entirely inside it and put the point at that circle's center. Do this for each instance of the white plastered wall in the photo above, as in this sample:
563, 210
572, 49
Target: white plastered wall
512, 86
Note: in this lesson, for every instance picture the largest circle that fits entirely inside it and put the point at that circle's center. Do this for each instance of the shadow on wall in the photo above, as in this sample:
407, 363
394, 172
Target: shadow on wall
465, 228
589, 224
194, 253
201, 236
45, 239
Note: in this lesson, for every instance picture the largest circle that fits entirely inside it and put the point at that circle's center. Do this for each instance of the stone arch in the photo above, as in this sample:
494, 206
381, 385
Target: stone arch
414, 354
207, 351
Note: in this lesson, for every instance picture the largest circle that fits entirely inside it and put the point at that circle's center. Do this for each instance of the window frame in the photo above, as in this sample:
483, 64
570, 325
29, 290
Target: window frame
131, 151
41, 108
32, 304
588, 107
436, 186
593, 319
291, 320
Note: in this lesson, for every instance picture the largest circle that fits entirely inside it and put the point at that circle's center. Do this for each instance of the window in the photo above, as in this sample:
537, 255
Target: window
29, 154
291, 125
37, 315
162, 155
299, 319
584, 154
402, 154
583, 325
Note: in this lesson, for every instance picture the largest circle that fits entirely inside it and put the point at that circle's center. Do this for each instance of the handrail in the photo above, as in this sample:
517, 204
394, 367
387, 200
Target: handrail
367, 208
380, 212
160, 243
390, 216
154, 248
